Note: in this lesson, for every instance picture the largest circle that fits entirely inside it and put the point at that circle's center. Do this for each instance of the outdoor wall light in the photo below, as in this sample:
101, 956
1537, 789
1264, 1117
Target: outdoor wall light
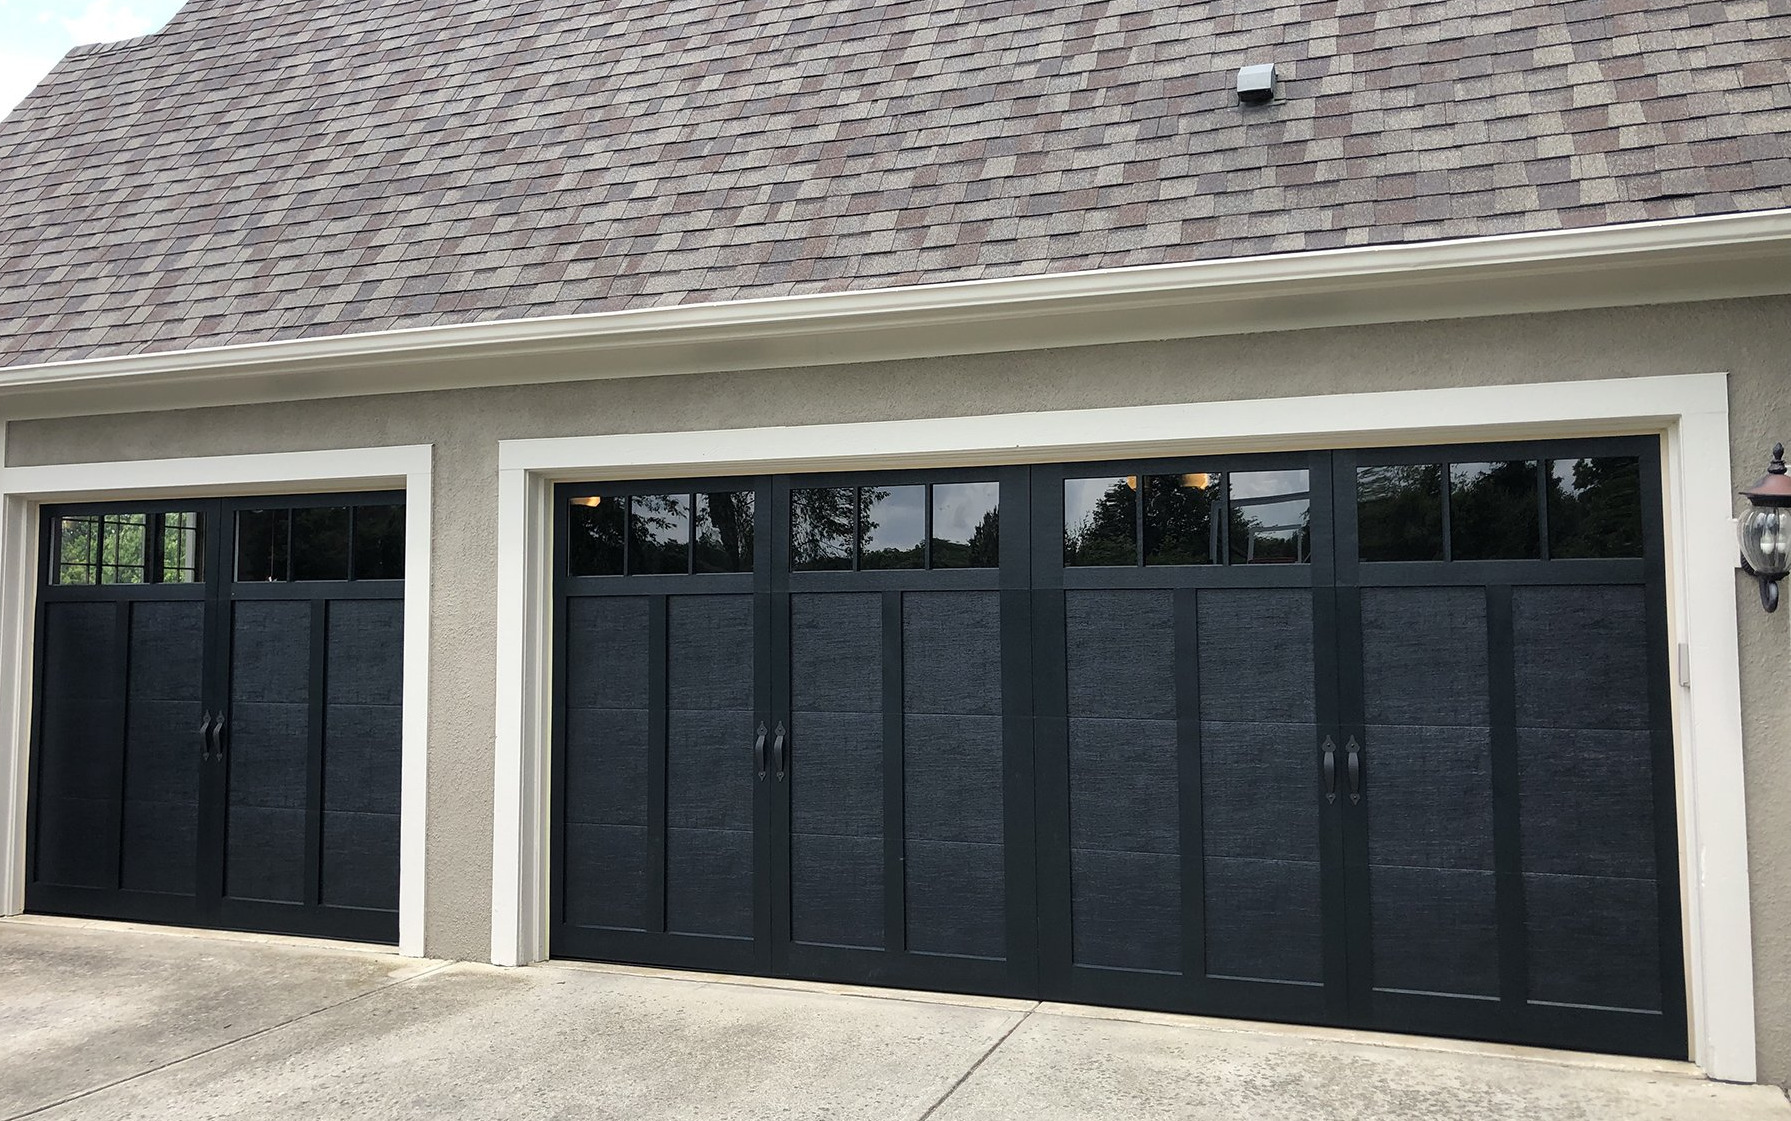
1766, 529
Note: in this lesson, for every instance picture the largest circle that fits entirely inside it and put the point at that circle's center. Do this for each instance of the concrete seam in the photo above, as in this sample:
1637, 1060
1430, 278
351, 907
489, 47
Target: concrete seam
256, 1034
976, 1066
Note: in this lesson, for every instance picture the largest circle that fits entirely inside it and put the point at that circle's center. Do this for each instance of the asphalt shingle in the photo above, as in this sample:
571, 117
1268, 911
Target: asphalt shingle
268, 169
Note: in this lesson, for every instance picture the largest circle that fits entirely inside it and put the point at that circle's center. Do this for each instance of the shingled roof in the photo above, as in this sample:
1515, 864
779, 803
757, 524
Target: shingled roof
274, 169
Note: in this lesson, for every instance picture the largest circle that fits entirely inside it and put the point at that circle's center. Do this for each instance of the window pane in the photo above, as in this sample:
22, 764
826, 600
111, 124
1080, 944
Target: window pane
596, 529
1271, 517
379, 543
822, 526
262, 537
1179, 527
658, 534
894, 527
320, 543
77, 543
124, 542
183, 552
1595, 507
1492, 511
1399, 513
966, 525
724, 531
1100, 521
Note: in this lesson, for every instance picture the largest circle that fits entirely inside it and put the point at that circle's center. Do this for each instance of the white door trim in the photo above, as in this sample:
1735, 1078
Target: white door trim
1689, 411
24, 489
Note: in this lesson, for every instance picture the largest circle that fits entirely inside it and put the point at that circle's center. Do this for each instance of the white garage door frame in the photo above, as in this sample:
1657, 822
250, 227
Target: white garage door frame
25, 490
1689, 412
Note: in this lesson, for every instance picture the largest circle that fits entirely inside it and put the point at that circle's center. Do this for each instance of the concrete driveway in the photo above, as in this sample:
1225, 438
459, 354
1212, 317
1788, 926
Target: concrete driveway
100, 1021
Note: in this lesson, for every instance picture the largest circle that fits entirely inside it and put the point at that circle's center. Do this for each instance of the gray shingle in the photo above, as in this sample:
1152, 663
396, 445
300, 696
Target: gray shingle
268, 169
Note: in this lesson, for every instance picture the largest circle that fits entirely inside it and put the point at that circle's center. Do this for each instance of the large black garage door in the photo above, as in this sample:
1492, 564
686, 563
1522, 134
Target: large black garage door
1363, 738
218, 716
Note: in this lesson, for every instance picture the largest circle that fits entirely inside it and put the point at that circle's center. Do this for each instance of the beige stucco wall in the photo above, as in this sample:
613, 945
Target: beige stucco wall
1750, 339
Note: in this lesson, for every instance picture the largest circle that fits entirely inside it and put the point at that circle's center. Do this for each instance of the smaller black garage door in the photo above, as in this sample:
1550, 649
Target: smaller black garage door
218, 714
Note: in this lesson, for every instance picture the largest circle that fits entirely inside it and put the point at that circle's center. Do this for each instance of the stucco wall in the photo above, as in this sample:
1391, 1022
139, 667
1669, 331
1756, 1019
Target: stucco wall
1750, 339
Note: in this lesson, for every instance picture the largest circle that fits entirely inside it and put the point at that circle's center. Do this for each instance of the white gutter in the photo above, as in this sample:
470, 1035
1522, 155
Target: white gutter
1649, 262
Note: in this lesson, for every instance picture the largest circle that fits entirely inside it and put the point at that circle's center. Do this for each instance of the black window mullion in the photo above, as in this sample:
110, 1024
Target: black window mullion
1542, 478
1448, 489
319, 668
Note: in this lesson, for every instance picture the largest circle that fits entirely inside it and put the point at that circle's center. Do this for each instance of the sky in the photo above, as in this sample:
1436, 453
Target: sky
35, 33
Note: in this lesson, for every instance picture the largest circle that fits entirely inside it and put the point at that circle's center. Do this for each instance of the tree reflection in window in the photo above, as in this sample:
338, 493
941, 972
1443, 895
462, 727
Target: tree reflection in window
724, 537
1100, 521
824, 525
1270, 517
1179, 522
1595, 507
658, 534
1493, 511
1399, 512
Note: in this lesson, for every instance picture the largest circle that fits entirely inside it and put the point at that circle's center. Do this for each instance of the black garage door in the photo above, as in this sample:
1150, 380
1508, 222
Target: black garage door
218, 713
1369, 738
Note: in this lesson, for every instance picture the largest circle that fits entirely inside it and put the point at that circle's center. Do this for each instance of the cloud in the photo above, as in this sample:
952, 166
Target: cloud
104, 21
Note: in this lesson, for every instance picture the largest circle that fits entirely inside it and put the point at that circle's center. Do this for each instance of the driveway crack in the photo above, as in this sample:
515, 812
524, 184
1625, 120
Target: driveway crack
976, 1066
256, 1034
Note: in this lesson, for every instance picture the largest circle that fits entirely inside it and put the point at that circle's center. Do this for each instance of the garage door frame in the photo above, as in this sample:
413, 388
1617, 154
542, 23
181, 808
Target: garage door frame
1690, 413
25, 490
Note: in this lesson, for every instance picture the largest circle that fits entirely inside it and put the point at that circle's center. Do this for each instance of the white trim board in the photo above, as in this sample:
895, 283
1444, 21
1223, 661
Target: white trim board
23, 490
1704, 258
1691, 411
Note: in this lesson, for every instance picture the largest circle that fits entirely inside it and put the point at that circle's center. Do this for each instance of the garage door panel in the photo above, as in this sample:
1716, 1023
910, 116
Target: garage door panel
1263, 919
836, 773
710, 653
709, 769
1124, 787
359, 860
75, 847
952, 778
606, 652
1577, 649
160, 846
1120, 650
606, 766
1256, 655
836, 652
837, 889
1593, 940
1587, 802
1433, 798
1436, 930
951, 653
264, 857
1257, 790
1126, 910
606, 875
709, 880
956, 898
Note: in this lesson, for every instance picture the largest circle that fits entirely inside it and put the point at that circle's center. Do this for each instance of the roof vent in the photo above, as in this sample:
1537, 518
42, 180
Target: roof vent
1256, 84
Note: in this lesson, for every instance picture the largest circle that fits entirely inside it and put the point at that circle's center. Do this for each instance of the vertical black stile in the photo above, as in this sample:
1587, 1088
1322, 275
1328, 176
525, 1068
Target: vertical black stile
1660, 697
1542, 489
1015, 498
781, 705
314, 732
766, 703
214, 814
1448, 524
1051, 747
1508, 857
1337, 641
154, 525
658, 693
562, 567
1193, 829
895, 880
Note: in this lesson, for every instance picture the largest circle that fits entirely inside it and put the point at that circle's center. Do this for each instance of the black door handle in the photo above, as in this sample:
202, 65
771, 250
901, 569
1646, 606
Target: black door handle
1329, 747
777, 750
1355, 770
205, 723
758, 751
217, 736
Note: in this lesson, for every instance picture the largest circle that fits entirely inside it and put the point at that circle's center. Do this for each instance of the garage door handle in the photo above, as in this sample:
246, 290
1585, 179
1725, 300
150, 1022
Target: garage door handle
777, 750
205, 726
1330, 764
1355, 770
758, 751
217, 736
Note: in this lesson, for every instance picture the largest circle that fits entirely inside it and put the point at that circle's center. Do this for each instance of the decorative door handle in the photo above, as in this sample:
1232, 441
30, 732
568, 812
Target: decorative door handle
1329, 747
205, 726
1355, 770
777, 750
758, 751
217, 736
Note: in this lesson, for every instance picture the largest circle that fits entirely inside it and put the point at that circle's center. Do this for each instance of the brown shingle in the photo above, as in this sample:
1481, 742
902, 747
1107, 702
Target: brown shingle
268, 169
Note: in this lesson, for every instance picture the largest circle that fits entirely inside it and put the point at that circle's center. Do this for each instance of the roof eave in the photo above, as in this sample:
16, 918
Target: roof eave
1712, 257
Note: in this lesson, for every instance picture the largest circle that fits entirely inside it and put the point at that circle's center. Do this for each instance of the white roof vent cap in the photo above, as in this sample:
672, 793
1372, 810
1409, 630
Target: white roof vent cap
1256, 84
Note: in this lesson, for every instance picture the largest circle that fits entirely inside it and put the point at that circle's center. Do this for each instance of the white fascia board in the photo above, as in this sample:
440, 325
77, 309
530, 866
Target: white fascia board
1651, 262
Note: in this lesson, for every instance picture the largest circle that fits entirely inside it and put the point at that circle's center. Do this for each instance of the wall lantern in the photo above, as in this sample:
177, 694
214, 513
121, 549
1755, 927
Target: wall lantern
1766, 530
